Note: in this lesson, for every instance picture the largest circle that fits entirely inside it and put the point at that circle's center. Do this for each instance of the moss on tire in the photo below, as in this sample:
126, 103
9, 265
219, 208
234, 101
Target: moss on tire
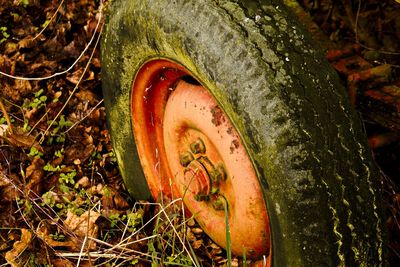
320, 185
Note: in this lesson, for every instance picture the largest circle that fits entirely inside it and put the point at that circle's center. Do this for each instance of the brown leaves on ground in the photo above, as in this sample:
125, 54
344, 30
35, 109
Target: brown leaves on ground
83, 226
52, 156
34, 176
21, 138
13, 257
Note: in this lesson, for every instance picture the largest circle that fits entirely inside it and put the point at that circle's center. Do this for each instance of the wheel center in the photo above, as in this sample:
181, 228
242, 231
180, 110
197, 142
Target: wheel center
197, 180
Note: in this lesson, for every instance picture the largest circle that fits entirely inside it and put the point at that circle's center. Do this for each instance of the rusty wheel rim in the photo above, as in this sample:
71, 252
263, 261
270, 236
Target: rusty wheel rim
189, 148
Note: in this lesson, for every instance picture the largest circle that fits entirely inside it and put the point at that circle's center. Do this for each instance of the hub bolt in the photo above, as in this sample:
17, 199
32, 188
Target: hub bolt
219, 202
201, 197
218, 173
198, 146
185, 158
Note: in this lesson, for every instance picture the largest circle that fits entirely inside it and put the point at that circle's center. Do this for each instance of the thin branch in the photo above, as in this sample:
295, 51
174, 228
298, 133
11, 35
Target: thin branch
3, 109
51, 19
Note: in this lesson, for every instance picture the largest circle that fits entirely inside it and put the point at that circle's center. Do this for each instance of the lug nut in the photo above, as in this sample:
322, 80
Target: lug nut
198, 146
219, 202
185, 158
201, 197
218, 173
214, 190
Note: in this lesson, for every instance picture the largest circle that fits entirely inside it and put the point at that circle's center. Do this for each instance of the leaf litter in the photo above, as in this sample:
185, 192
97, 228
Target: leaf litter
62, 199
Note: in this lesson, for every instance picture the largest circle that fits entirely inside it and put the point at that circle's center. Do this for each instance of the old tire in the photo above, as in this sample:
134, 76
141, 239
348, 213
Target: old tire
305, 143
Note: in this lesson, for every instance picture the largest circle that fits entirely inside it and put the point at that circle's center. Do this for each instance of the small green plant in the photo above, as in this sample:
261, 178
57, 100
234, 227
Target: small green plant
49, 168
46, 23
48, 199
25, 3
57, 236
3, 120
62, 124
38, 101
130, 220
26, 127
67, 178
114, 220
59, 153
112, 157
34, 152
134, 219
3, 34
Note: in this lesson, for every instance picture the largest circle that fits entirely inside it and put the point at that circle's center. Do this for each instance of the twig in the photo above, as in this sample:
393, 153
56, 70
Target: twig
3, 109
51, 19
356, 22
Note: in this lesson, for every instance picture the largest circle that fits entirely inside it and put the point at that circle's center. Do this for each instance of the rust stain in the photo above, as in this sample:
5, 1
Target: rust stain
234, 145
230, 131
217, 116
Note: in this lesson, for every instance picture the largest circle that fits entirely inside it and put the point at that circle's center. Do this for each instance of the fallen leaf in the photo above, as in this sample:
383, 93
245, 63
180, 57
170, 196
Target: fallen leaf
43, 232
75, 76
22, 86
113, 200
3, 129
86, 95
8, 191
18, 248
83, 225
34, 175
78, 151
22, 139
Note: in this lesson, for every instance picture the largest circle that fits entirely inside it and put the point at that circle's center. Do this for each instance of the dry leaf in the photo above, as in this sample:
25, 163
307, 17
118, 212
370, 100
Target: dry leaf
4, 181
20, 138
88, 96
34, 174
18, 248
3, 129
84, 225
120, 202
75, 76
78, 151
43, 233
8, 191
113, 200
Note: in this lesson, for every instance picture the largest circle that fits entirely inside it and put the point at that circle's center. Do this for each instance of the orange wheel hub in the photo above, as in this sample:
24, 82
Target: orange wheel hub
189, 148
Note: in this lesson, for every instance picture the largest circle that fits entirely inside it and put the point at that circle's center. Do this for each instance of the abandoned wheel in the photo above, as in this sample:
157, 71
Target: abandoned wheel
226, 104
189, 149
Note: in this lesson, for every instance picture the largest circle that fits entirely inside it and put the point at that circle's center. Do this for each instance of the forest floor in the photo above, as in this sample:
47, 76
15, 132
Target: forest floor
62, 199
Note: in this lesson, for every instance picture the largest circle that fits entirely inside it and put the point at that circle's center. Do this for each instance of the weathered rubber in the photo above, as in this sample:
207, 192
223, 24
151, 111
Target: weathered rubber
320, 185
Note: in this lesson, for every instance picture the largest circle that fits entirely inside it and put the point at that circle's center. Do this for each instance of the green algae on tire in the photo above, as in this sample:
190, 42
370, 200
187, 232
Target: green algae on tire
320, 184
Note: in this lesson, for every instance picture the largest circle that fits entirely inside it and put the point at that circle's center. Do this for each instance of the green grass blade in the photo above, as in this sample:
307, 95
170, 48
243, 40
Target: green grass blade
228, 236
